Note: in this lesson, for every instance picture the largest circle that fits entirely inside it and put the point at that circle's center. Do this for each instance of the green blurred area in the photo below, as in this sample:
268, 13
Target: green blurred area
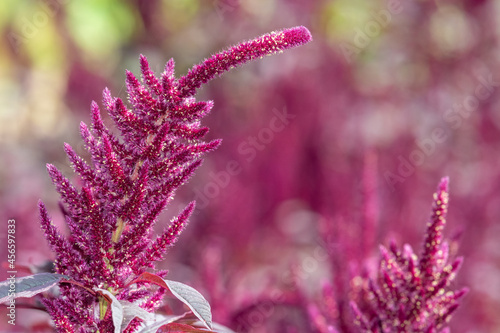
44, 41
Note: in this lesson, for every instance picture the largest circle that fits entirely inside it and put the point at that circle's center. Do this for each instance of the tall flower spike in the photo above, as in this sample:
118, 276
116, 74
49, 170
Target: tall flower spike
409, 295
134, 172
433, 243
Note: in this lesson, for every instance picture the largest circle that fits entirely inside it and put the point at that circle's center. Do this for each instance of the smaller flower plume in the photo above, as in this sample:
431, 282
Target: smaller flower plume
132, 176
410, 294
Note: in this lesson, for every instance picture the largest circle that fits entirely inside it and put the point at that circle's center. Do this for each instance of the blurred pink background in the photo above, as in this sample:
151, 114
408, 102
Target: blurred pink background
352, 132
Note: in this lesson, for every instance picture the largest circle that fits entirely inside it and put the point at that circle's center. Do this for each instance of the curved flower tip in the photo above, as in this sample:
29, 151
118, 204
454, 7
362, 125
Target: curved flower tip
271, 43
443, 184
299, 35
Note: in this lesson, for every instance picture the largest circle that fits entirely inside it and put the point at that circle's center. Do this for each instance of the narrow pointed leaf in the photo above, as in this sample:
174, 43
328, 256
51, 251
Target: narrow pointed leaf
29, 286
151, 278
186, 294
193, 299
221, 329
181, 328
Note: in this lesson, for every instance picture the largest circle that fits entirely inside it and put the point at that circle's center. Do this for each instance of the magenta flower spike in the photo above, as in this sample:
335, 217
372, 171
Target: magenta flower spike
240, 54
410, 294
129, 182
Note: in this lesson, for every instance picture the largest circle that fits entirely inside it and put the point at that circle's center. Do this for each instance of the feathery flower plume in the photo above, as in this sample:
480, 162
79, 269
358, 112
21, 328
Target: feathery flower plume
132, 177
